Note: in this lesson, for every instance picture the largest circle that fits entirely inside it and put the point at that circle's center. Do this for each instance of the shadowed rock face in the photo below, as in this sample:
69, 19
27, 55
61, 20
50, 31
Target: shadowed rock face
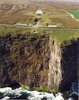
69, 65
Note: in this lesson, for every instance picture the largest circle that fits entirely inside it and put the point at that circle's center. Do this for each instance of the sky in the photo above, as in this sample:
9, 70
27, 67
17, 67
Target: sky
22, 1
70, 0
62, 0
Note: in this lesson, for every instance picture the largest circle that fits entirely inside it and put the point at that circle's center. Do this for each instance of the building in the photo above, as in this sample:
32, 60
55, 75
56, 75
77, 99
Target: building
39, 12
52, 26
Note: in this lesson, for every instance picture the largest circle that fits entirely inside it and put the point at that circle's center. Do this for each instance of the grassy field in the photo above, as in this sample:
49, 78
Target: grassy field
65, 35
13, 30
53, 14
75, 13
60, 35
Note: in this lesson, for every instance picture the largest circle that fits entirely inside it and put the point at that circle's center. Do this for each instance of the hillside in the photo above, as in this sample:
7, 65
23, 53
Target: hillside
12, 13
15, 1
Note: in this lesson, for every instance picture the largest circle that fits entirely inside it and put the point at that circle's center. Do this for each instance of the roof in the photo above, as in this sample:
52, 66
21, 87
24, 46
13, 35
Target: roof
52, 26
39, 12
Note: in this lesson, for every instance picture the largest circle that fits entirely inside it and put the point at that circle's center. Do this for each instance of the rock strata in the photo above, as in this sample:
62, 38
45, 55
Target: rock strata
37, 60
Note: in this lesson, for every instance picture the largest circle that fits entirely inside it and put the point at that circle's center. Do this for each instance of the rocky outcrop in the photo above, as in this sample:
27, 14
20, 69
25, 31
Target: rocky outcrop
37, 60
24, 60
54, 75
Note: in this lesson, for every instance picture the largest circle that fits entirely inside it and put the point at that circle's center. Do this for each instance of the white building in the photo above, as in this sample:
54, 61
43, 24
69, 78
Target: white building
39, 12
52, 26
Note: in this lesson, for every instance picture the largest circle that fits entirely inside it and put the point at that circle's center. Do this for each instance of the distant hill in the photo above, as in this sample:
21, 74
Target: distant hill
59, 0
27, 1
15, 1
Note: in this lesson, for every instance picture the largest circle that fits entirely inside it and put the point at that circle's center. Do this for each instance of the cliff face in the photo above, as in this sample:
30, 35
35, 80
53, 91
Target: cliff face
24, 60
54, 75
69, 64
37, 60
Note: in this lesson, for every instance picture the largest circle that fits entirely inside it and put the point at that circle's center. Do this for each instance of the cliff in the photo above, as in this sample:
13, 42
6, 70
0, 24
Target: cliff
54, 75
24, 59
37, 60
69, 64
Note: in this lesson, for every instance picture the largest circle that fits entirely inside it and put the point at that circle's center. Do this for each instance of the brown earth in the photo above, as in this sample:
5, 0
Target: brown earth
12, 13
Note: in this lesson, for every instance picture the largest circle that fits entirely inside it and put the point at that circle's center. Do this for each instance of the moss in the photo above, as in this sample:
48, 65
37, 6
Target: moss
54, 90
25, 87
41, 89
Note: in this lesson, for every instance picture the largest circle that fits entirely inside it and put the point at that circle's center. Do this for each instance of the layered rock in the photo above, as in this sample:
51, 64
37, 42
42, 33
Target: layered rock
24, 59
54, 75
37, 60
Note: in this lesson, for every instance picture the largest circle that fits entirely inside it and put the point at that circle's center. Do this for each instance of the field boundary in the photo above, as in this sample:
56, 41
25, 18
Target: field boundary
43, 28
72, 15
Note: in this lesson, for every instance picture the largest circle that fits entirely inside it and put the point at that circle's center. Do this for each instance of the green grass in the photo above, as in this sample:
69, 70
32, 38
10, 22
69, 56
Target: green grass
65, 35
75, 13
54, 90
60, 35
13, 30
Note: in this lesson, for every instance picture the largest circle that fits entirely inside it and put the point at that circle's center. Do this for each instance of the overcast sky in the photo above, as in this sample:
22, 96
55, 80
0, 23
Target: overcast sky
69, 0
61, 0
22, 1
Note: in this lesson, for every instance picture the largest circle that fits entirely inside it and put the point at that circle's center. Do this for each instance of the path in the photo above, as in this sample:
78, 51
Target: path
72, 15
32, 27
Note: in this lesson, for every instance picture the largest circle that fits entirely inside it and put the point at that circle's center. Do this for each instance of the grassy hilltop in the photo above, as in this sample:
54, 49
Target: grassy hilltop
54, 14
